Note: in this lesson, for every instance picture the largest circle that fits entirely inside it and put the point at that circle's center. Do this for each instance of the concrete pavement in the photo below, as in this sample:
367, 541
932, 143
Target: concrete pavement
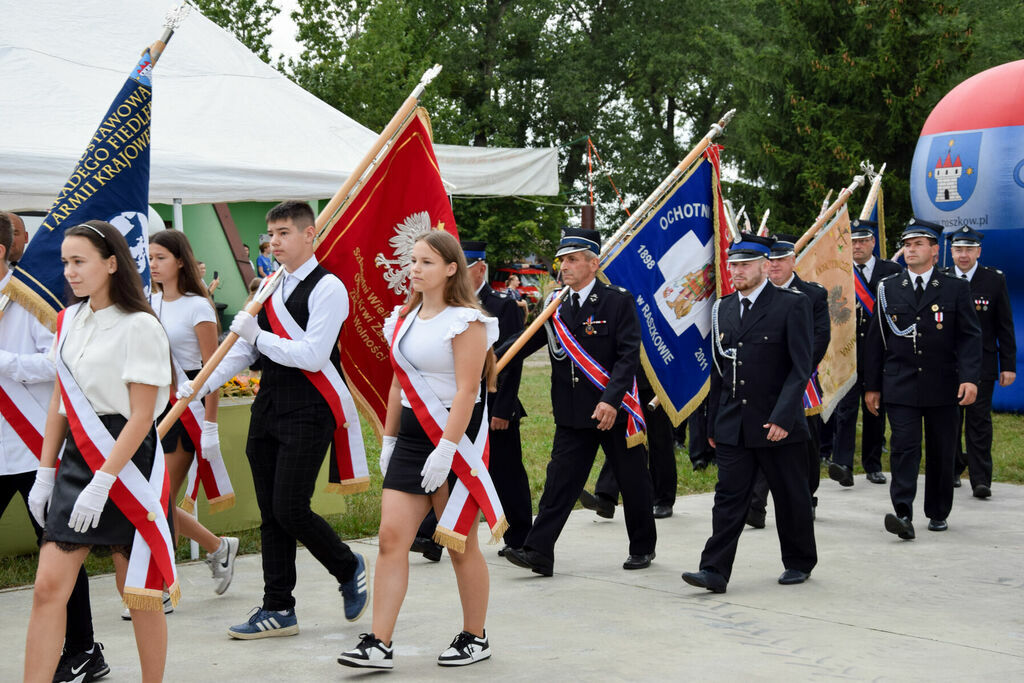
947, 606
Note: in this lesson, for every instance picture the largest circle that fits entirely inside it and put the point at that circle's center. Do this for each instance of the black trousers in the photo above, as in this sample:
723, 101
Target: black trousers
572, 456
939, 435
759, 498
974, 425
827, 437
78, 635
661, 454
285, 454
697, 423
511, 482
785, 467
872, 432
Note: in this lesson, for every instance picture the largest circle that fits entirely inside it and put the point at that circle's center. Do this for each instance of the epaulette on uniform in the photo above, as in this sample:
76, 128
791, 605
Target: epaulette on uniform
790, 290
994, 270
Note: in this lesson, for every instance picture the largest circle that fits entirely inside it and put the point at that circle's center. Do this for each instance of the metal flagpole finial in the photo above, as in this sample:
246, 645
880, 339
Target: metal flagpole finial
428, 75
717, 128
762, 229
176, 15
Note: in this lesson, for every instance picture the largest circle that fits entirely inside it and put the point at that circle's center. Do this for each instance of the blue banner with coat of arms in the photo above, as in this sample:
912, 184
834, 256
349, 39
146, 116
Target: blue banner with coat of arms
668, 264
110, 182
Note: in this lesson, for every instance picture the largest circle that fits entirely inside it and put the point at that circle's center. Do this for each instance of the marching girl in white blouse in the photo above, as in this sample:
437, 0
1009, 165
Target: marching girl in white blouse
184, 308
117, 353
449, 345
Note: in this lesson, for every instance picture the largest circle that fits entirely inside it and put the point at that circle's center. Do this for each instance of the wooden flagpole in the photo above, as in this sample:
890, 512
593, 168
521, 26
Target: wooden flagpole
322, 222
541, 318
843, 197
876, 186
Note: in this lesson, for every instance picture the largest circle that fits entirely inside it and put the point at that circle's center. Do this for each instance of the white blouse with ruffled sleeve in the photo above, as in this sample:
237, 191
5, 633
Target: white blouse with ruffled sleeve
108, 349
427, 345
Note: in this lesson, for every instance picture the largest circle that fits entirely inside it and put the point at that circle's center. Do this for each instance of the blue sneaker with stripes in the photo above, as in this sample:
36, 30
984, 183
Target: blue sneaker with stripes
266, 623
356, 591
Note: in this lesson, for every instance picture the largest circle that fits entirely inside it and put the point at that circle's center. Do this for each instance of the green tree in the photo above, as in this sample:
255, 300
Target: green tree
248, 20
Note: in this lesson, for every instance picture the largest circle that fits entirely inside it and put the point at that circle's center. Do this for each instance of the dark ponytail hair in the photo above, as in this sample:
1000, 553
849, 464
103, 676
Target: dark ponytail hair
125, 283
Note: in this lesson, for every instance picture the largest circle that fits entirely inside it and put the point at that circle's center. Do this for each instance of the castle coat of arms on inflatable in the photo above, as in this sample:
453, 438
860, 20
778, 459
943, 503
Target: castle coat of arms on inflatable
968, 169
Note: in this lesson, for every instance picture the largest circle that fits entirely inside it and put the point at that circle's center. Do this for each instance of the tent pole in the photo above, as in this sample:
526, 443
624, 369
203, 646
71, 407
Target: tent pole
176, 219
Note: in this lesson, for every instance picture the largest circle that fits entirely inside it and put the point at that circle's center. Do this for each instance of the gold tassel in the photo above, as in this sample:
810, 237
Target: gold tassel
21, 294
143, 599
348, 486
187, 505
814, 411
449, 539
638, 439
175, 594
220, 503
498, 530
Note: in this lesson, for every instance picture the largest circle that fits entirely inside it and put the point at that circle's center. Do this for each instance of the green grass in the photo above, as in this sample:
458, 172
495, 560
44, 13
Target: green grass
363, 516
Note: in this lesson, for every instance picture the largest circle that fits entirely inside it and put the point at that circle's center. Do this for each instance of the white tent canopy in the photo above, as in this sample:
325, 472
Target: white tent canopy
225, 126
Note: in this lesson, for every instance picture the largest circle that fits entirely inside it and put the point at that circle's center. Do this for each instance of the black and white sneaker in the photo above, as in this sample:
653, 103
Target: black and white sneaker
465, 649
370, 653
81, 667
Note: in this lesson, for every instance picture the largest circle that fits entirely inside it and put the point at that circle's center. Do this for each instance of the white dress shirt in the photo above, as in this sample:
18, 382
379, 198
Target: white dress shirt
925, 276
869, 267
328, 309
970, 273
24, 357
753, 295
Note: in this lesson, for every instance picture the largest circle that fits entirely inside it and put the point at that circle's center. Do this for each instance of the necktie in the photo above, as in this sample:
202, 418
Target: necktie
963, 276
919, 288
862, 267
746, 307
575, 303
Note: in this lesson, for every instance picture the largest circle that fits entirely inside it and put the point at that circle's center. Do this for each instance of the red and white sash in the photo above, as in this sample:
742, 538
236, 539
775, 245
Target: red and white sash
19, 407
143, 501
474, 492
212, 475
348, 472
636, 433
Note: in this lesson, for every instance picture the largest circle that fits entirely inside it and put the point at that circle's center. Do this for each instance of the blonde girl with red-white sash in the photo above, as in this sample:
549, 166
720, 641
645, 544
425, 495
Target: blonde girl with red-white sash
443, 339
111, 489
192, 445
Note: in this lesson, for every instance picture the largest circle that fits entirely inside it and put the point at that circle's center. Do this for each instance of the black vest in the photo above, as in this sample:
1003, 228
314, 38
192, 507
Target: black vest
286, 388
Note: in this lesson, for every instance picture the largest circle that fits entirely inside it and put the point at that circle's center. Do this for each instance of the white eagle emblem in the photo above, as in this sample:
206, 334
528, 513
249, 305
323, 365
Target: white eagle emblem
396, 269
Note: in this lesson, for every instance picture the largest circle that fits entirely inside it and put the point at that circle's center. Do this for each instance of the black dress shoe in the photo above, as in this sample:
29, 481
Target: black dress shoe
662, 511
528, 559
638, 561
901, 526
937, 525
426, 546
503, 551
982, 491
956, 482
603, 508
840, 473
700, 464
876, 477
755, 519
792, 577
706, 578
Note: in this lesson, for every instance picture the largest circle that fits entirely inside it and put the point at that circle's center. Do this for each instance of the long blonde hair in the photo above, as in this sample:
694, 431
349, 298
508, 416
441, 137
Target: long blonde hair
458, 290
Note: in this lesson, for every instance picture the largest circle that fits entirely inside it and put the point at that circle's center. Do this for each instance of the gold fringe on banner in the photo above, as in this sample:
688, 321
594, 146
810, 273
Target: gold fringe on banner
638, 439
186, 504
149, 600
25, 297
449, 539
357, 485
220, 503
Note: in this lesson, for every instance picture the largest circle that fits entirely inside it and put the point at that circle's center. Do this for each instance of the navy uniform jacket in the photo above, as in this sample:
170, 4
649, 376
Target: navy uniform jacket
612, 338
948, 349
992, 306
773, 364
504, 403
882, 270
819, 316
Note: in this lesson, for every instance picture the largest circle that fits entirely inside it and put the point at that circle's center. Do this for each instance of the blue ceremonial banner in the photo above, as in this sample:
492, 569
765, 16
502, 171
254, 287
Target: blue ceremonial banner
668, 264
110, 183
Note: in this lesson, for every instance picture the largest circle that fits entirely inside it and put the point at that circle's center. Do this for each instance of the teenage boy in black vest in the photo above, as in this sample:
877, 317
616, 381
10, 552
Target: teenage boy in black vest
292, 426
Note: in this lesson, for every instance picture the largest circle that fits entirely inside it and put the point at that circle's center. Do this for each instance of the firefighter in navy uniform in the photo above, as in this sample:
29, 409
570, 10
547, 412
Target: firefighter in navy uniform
762, 351
871, 270
923, 355
998, 358
602, 319
781, 273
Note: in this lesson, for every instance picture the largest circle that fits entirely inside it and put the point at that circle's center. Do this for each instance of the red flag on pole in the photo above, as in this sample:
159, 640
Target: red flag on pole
722, 240
369, 247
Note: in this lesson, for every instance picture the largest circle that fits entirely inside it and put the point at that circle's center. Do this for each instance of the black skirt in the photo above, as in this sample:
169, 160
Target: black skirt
411, 451
177, 433
74, 475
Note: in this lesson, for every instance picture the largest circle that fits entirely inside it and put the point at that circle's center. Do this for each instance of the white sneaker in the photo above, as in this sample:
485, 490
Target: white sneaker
370, 653
222, 563
168, 608
465, 649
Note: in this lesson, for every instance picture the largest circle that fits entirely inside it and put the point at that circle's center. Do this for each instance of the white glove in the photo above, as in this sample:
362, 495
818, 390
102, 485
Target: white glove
438, 465
185, 392
40, 494
91, 500
209, 443
387, 445
246, 327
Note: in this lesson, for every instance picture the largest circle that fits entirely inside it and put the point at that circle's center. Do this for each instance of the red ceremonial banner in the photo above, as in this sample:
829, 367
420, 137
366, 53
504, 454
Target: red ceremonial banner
369, 247
723, 283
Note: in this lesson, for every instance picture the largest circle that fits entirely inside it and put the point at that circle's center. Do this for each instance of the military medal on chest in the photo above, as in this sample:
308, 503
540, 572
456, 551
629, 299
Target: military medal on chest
588, 325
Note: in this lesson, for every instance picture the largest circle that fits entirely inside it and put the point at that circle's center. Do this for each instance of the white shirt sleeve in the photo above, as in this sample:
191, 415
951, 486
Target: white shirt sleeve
328, 309
32, 363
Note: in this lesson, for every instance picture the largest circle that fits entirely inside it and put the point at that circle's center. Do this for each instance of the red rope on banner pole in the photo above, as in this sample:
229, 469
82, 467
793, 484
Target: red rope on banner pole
590, 171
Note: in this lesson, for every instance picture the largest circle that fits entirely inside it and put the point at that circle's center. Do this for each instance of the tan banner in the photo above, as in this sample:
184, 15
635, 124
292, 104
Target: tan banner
827, 261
